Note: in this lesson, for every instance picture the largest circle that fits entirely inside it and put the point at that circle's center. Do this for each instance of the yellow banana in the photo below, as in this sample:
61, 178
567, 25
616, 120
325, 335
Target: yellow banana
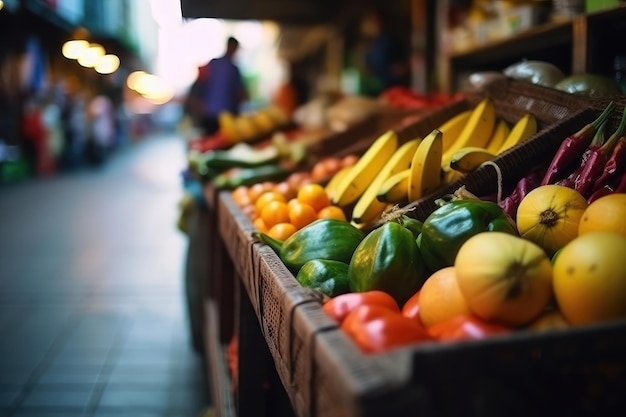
449, 175
368, 208
331, 186
228, 126
469, 158
477, 131
425, 174
452, 128
500, 132
395, 190
524, 128
364, 171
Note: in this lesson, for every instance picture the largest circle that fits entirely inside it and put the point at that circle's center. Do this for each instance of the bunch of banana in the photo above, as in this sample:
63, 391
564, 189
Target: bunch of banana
368, 208
425, 174
469, 158
477, 131
350, 188
395, 190
524, 128
411, 171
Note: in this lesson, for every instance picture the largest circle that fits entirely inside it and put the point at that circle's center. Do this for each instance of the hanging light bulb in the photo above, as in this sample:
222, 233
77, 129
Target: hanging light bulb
90, 56
107, 64
72, 49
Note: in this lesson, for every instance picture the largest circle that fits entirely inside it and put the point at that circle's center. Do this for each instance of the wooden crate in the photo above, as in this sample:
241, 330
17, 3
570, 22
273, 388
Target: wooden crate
578, 371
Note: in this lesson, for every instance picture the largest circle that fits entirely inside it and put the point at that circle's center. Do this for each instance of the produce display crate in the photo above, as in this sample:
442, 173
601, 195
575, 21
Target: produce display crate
571, 372
578, 371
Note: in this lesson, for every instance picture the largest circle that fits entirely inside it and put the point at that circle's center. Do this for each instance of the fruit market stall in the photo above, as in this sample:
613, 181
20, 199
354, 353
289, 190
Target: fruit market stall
276, 299
288, 155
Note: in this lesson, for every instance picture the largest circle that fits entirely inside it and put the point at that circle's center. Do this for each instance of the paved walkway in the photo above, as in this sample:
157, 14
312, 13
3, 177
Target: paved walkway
92, 308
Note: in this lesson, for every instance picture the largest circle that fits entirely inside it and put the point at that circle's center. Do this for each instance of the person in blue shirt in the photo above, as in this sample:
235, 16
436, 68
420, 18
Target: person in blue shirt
219, 88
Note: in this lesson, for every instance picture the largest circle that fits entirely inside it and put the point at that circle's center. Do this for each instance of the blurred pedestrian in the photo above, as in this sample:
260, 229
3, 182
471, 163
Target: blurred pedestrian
221, 88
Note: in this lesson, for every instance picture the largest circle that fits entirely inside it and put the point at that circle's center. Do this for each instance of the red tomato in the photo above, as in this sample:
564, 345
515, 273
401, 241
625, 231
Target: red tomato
465, 328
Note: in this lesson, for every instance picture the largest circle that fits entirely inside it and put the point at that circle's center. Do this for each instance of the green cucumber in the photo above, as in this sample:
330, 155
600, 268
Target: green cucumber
241, 155
250, 176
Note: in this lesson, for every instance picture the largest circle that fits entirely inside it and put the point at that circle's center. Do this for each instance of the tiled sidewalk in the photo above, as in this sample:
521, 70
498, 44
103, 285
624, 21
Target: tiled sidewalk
92, 308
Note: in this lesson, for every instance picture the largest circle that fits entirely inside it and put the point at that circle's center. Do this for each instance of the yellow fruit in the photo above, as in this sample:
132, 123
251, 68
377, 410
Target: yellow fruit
451, 129
368, 208
590, 278
524, 128
504, 278
395, 189
440, 298
500, 133
356, 181
470, 158
549, 216
606, 214
425, 174
331, 186
478, 129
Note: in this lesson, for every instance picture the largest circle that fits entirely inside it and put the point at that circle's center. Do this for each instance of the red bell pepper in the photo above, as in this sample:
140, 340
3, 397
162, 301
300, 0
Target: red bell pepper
572, 148
375, 329
340, 306
465, 327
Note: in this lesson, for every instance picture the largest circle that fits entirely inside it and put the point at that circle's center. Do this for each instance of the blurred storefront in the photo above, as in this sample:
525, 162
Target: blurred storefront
51, 100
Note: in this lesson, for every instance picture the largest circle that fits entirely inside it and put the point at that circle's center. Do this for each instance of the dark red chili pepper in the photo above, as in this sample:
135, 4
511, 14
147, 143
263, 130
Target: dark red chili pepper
594, 164
523, 187
573, 147
597, 141
621, 186
601, 192
594, 167
617, 160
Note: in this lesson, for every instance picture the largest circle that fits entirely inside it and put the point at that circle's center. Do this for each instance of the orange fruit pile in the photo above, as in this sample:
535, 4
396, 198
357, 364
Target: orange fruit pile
280, 209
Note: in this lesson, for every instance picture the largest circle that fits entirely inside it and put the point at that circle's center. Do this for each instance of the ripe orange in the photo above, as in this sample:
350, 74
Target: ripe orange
257, 189
606, 214
440, 298
240, 196
267, 197
282, 231
300, 214
260, 225
314, 195
285, 189
275, 212
331, 212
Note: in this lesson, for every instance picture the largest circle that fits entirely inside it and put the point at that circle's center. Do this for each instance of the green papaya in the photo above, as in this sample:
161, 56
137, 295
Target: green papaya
324, 275
389, 260
329, 239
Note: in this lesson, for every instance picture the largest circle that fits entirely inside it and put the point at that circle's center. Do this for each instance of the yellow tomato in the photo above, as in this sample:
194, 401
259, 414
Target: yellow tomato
590, 278
549, 216
606, 214
504, 278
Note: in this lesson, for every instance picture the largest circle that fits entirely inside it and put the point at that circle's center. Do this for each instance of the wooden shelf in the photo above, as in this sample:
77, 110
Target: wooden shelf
584, 43
551, 34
